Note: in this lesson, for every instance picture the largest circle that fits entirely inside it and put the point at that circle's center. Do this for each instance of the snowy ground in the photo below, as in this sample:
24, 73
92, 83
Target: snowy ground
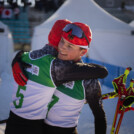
5, 97
86, 121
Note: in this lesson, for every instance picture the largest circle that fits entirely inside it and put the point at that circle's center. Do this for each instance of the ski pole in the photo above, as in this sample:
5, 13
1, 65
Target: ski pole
120, 121
129, 89
119, 86
115, 117
110, 95
120, 91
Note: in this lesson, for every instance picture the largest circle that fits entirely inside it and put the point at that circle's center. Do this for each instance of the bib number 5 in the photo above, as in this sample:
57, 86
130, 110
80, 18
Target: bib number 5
18, 103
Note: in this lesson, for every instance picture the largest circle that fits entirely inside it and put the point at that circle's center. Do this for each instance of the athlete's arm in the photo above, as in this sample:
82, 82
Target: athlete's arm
93, 97
64, 71
18, 66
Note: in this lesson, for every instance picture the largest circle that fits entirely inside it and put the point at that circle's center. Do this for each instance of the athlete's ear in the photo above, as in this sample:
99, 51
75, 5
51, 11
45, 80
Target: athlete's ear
83, 52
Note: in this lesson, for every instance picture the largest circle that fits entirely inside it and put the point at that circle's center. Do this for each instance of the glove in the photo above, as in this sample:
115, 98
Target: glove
18, 69
128, 101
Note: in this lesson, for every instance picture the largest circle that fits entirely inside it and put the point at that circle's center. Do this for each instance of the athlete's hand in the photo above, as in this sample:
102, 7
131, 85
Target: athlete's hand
18, 69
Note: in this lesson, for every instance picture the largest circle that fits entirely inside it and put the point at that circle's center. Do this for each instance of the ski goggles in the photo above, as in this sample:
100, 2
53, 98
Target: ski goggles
76, 31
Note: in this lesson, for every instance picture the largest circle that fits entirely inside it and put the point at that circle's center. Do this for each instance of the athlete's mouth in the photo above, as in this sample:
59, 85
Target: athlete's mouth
62, 53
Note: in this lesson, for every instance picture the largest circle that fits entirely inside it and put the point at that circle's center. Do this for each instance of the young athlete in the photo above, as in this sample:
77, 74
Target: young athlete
29, 106
68, 99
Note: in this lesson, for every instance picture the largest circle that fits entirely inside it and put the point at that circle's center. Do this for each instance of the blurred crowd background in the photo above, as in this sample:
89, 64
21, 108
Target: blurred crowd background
21, 16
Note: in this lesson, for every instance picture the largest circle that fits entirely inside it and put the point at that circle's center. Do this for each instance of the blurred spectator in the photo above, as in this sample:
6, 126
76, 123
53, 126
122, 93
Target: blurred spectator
123, 5
39, 5
26, 3
15, 8
2, 3
10, 2
16, 12
1, 8
48, 5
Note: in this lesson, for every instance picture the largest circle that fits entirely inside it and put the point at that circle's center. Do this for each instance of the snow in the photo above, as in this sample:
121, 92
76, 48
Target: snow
2, 128
6, 88
132, 23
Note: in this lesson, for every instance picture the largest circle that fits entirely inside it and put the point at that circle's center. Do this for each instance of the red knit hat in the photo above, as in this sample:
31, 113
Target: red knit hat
72, 34
56, 32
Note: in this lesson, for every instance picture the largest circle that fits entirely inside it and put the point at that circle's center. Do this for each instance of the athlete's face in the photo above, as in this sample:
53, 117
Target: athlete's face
68, 51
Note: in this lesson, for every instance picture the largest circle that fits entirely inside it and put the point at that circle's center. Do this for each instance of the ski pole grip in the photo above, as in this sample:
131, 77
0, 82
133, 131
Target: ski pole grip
128, 69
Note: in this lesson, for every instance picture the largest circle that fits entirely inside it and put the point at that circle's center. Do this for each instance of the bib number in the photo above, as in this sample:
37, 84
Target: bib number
18, 103
55, 99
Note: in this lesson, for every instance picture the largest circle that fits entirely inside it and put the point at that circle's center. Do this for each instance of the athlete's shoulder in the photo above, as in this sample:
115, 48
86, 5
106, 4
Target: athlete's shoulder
46, 50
